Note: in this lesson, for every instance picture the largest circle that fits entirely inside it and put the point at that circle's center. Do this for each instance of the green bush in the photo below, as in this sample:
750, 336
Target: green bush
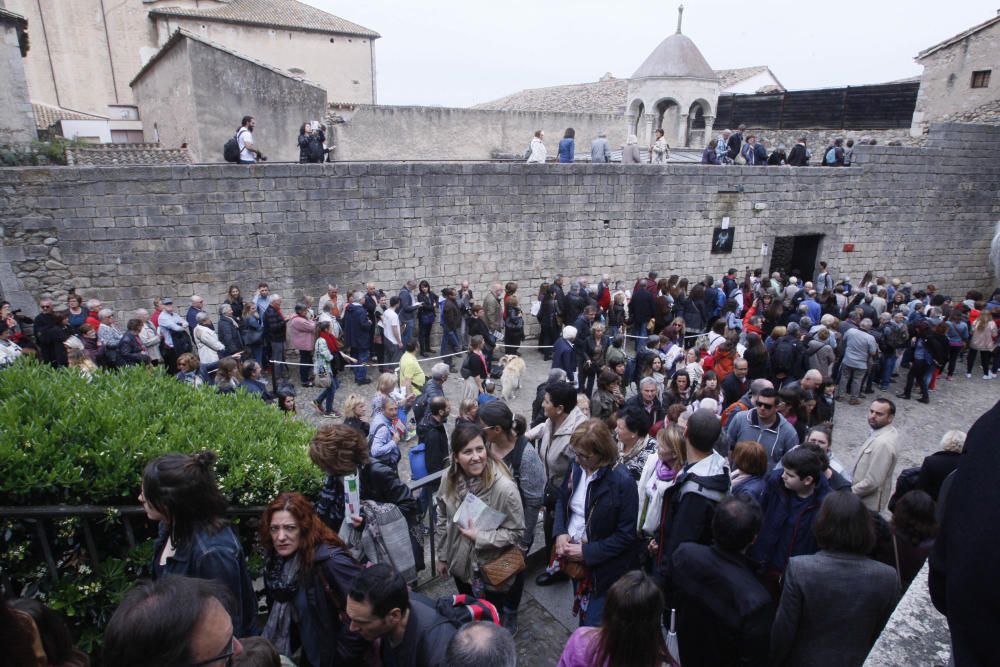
67, 441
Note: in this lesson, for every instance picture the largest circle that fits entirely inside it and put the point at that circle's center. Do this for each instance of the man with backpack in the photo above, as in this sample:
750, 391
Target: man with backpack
834, 154
860, 351
689, 505
786, 357
241, 147
411, 631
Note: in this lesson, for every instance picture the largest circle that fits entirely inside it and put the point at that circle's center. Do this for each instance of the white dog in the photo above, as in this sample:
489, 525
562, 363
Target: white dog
513, 367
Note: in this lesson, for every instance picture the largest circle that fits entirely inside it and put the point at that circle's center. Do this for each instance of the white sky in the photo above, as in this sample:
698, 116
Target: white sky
462, 52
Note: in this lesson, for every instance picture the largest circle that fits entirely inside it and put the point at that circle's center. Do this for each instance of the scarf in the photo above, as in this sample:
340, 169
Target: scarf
281, 579
663, 473
331, 342
467, 485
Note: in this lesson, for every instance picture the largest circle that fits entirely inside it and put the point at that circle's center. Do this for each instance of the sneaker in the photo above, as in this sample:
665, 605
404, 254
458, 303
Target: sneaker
968, 375
987, 377
948, 378
992, 375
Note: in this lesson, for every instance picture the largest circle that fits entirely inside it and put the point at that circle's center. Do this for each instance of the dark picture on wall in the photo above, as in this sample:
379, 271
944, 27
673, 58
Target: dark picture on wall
722, 240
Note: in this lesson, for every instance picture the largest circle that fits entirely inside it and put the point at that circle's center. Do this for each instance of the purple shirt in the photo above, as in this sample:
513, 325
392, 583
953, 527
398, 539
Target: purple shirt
580, 648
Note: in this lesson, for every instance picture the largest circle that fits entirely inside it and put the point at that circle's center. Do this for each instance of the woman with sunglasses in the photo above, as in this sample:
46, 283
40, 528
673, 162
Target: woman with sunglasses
307, 575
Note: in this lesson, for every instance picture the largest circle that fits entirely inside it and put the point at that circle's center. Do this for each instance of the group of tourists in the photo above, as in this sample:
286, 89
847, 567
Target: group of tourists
680, 456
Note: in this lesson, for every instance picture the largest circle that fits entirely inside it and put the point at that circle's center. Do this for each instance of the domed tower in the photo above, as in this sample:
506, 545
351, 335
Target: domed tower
674, 89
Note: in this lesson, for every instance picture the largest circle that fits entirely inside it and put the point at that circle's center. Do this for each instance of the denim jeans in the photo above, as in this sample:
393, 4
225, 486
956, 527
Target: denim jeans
639, 330
888, 366
361, 372
406, 330
328, 394
449, 343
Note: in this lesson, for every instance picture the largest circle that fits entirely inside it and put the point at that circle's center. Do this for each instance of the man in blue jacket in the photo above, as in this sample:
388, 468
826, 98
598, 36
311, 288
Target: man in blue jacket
407, 310
357, 335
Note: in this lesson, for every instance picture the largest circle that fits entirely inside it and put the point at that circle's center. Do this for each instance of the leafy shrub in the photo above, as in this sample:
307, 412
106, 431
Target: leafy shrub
67, 441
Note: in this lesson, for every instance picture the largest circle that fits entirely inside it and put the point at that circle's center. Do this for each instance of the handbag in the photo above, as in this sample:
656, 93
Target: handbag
322, 379
509, 563
572, 569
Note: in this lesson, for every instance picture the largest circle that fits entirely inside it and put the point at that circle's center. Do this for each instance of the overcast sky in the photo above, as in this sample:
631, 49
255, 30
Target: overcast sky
462, 52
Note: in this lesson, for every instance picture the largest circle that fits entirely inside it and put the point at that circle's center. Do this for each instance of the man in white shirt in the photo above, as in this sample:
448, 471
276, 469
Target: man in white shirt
392, 338
244, 138
332, 298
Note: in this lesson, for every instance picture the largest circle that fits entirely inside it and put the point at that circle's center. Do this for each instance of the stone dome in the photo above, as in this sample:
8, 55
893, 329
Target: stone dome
676, 56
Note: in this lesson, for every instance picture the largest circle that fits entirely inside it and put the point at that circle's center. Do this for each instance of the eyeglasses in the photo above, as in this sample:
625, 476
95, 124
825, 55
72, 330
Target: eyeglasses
582, 456
227, 656
765, 406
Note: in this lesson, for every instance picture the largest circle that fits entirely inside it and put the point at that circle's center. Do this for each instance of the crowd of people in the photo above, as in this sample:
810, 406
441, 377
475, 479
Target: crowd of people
731, 147
680, 456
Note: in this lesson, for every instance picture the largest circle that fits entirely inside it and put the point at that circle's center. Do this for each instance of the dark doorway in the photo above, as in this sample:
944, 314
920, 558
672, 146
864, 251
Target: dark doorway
796, 255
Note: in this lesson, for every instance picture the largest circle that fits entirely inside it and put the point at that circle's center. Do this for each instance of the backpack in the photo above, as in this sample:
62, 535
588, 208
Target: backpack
231, 149
831, 156
466, 370
315, 150
785, 357
897, 336
712, 302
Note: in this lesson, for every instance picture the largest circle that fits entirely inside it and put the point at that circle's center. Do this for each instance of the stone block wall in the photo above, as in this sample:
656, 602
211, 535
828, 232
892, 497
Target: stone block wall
17, 121
126, 235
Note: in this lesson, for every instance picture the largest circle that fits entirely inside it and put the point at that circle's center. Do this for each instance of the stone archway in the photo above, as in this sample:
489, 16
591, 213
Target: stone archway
635, 119
667, 113
698, 128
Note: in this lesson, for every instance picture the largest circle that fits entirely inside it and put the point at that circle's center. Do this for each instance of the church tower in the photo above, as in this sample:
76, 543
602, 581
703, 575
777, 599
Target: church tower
676, 90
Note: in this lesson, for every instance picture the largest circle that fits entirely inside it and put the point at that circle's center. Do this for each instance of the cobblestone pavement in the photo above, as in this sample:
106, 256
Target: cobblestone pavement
545, 620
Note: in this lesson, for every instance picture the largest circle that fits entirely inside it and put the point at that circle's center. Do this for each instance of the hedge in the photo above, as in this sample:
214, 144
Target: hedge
67, 441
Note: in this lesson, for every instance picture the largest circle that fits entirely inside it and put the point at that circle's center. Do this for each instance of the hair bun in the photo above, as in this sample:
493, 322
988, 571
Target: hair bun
205, 459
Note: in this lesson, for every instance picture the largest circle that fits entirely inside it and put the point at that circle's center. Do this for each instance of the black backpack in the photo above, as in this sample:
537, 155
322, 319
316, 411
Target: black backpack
231, 149
786, 356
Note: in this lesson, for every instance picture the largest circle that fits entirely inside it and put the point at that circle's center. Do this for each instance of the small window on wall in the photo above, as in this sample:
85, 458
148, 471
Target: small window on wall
981, 78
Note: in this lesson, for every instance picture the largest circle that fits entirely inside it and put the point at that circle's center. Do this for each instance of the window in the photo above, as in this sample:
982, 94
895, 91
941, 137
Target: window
981, 78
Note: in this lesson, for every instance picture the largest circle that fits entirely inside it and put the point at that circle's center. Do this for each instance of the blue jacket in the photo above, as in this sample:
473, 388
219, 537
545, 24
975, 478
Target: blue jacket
782, 534
612, 509
357, 327
752, 488
407, 309
564, 357
320, 605
566, 149
217, 557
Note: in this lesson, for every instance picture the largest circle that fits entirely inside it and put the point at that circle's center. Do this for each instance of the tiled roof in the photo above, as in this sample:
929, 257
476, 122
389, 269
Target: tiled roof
181, 33
10, 17
272, 14
731, 77
108, 155
606, 97
959, 37
47, 115
676, 56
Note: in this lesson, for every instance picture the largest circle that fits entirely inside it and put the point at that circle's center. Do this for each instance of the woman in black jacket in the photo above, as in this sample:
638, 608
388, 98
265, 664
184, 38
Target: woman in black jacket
131, 351
427, 309
235, 301
603, 538
307, 575
478, 327
548, 319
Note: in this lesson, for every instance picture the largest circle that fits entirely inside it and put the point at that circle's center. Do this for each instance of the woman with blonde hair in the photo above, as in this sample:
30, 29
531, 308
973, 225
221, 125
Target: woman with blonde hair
658, 475
984, 337
354, 414
630, 151
467, 546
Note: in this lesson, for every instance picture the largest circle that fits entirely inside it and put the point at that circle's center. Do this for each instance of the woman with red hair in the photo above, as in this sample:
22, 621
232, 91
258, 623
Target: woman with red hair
307, 575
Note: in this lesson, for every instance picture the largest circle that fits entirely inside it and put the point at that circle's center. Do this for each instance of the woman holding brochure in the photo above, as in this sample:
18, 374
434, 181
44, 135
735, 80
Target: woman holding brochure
480, 518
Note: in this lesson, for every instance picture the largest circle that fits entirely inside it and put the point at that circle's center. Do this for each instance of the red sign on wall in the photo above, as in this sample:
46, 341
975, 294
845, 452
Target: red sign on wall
848, 247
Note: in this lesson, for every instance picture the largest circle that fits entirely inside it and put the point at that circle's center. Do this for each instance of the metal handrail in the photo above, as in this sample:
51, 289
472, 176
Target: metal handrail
38, 513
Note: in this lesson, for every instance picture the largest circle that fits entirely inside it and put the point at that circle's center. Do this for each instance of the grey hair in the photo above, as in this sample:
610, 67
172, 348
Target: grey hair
93, 304
195, 298
647, 381
141, 312
357, 296
202, 317
439, 371
275, 297
104, 312
224, 308
557, 375
953, 441
995, 251
759, 385
482, 644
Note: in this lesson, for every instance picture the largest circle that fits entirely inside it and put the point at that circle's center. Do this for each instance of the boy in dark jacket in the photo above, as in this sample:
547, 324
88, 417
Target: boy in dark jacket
791, 500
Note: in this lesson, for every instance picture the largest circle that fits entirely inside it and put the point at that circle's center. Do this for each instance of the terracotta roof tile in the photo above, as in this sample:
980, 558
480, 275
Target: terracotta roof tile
47, 115
606, 97
273, 14
108, 155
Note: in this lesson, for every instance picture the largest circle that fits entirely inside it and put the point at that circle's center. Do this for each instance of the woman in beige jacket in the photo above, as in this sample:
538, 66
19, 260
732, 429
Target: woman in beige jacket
464, 549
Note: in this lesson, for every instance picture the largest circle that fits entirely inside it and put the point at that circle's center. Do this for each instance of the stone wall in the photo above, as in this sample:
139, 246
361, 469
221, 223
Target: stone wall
443, 133
17, 122
126, 235
818, 139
